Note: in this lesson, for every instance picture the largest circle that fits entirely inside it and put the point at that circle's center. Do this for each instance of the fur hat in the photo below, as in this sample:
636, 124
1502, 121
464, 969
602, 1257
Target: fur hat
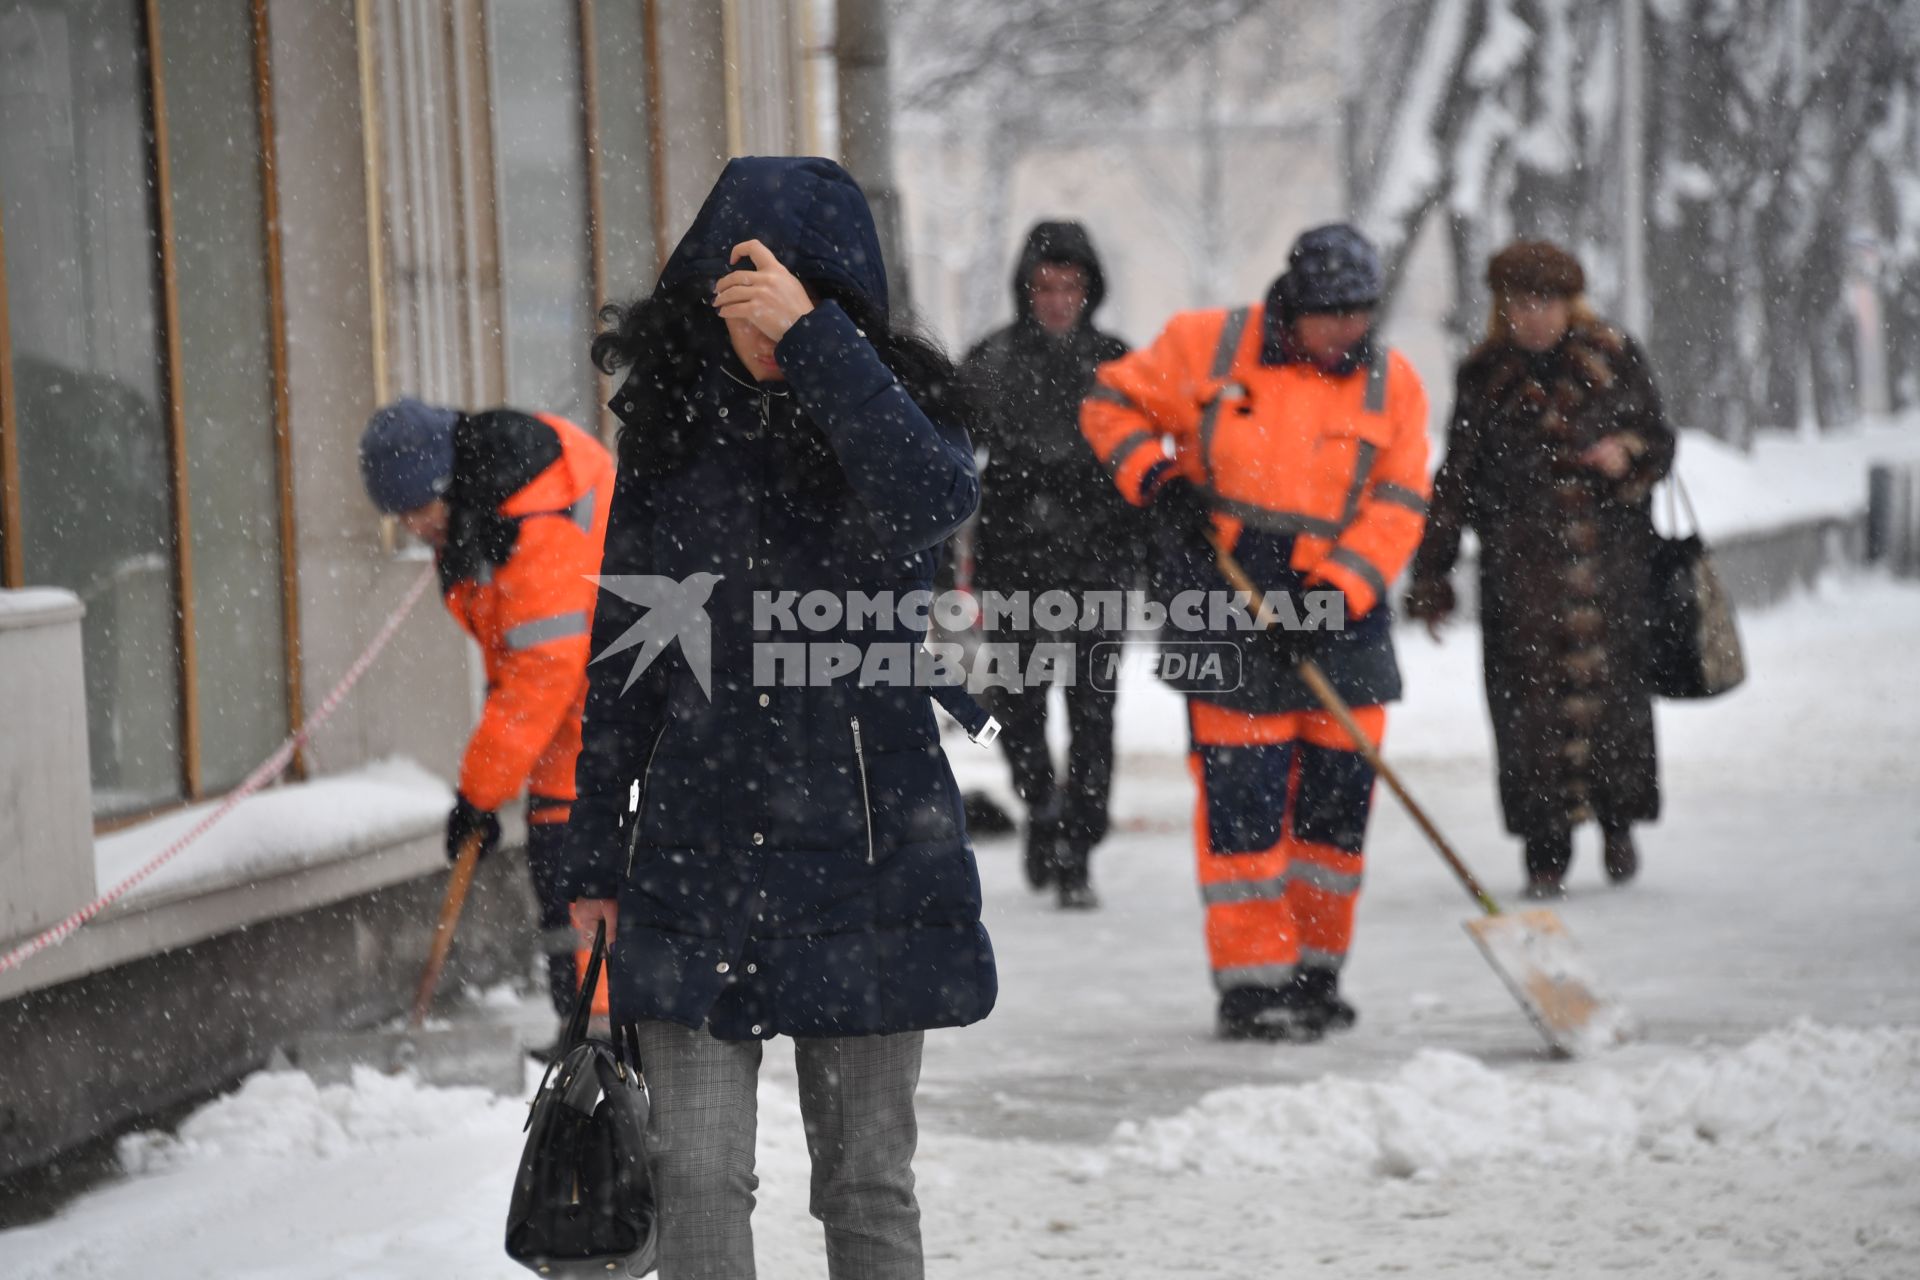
1538, 267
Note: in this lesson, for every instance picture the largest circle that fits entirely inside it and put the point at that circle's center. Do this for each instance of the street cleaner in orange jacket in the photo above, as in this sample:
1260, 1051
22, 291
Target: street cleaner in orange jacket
515, 508
1289, 429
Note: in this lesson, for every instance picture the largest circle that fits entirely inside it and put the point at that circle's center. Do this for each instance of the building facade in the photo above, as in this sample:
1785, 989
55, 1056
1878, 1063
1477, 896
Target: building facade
228, 230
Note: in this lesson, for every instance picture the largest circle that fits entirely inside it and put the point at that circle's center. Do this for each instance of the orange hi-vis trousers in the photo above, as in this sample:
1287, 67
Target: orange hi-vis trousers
1282, 810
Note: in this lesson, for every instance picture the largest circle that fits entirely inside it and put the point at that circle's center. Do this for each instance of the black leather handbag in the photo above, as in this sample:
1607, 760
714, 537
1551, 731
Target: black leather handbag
1694, 646
582, 1202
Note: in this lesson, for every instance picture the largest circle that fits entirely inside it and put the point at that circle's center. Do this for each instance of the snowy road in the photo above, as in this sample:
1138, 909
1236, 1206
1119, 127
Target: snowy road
1767, 1125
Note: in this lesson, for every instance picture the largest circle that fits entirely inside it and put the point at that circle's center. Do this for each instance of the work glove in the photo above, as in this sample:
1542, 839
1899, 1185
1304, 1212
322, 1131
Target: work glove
464, 821
1182, 514
1286, 646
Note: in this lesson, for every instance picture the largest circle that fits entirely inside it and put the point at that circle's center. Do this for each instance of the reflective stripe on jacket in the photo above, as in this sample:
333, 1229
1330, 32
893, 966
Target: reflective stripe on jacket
1336, 462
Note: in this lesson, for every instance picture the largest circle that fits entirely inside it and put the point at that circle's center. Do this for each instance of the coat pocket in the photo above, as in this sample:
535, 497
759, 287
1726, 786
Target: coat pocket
910, 801
1246, 793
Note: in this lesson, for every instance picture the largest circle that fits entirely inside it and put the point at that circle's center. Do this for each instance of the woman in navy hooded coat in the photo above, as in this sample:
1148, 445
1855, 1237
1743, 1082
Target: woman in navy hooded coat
774, 857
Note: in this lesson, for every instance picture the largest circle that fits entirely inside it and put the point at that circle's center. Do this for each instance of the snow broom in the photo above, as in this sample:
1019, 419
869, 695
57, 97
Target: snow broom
1531, 950
480, 1054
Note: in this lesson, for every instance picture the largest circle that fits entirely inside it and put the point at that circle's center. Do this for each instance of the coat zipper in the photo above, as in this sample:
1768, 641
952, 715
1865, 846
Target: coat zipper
640, 804
866, 797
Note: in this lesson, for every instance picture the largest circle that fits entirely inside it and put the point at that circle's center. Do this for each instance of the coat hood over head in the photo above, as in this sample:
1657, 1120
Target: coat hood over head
1063, 242
808, 211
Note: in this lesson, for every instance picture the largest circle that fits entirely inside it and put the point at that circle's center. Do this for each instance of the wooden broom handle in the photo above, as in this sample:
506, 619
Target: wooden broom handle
1330, 698
457, 885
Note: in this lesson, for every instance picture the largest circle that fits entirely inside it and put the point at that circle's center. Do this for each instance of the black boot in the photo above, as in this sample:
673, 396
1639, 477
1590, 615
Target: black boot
1622, 859
1072, 881
1269, 1013
1548, 857
1043, 843
1319, 989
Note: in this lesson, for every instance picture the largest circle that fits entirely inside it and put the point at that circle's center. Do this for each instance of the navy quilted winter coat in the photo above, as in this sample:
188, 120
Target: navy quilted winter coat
787, 859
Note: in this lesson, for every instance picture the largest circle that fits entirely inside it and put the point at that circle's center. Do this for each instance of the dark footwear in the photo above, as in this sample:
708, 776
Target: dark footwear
1268, 1013
1545, 888
1622, 859
1319, 989
1043, 840
1078, 897
1070, 877
984, 816
1548, 857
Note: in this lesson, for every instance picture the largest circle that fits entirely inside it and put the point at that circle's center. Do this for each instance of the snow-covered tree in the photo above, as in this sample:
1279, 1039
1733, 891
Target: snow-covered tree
1891, 225
1751, 154
1011, 79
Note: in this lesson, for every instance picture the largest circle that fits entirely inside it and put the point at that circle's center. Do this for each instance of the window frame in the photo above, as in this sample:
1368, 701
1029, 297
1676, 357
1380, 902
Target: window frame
587, 109
167, 323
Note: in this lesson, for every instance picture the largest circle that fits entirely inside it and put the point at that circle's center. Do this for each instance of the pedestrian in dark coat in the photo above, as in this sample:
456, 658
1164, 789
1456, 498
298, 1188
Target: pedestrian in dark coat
786, 858
1556, 443
1051, 520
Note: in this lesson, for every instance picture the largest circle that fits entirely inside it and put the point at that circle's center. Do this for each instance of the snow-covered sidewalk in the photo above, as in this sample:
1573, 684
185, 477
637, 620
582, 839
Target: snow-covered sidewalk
1768, 1124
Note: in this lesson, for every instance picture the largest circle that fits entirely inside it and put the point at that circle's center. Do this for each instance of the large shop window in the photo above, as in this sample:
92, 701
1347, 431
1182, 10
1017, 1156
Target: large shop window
148, 468
226, 377
95, 508
624, 142
545, 252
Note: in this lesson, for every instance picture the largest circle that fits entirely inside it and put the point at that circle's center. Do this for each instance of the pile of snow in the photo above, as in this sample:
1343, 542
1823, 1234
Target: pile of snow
1803, 1088
279, 830
284, 1115
25, 602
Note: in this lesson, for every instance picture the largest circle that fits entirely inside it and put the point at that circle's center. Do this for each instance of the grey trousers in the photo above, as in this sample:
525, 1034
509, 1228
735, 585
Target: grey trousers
856, 1097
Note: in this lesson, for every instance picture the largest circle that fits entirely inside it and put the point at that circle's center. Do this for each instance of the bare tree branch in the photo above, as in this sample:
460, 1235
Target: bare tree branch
973, 53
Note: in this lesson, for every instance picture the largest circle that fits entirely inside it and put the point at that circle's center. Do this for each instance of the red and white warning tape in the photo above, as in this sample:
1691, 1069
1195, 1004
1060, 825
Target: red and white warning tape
268, 770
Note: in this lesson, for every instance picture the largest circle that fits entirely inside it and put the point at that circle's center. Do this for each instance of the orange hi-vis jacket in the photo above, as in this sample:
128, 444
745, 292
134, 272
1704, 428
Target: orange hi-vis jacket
1337, 461
532, 617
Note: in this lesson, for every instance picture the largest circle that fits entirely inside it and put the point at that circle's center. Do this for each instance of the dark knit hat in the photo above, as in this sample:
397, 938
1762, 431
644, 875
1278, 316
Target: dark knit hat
1538, 267
1331, 268
406, 454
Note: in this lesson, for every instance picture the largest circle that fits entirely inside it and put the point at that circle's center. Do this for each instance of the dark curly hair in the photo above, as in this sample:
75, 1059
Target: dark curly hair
670, 339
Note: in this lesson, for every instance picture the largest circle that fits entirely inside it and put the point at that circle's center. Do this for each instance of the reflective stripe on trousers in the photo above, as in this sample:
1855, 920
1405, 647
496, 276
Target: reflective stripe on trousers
1282, 809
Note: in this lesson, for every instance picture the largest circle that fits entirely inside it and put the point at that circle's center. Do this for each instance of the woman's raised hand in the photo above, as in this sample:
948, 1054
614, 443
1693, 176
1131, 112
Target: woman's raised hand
766, 295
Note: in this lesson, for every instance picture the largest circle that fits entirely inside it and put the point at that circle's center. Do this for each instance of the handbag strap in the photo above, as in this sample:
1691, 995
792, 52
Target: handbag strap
576, 1033
590, 982
626, 1039
626, 1043
1678, 499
